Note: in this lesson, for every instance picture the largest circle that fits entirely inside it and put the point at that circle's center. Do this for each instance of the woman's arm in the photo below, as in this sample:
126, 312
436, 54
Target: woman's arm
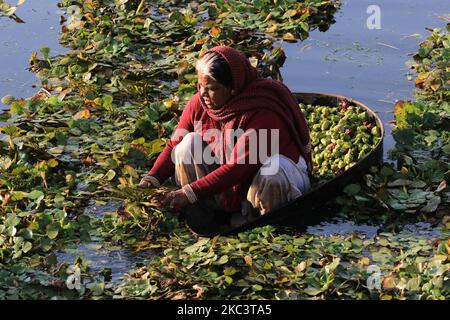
164, 167
235, 172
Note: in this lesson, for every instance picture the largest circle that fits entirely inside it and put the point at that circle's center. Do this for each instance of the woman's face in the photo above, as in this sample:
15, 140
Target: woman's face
214, 93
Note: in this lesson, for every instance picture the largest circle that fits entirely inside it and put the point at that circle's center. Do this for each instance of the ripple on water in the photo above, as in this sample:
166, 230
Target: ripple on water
418, 230
342, 227
100, 254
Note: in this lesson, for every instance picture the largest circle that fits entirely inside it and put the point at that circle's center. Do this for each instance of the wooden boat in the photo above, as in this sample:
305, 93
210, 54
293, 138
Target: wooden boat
305, 206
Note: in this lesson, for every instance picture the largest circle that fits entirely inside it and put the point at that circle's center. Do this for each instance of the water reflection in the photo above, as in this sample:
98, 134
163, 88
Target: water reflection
367, 65
342, 227
19, 41
418, 230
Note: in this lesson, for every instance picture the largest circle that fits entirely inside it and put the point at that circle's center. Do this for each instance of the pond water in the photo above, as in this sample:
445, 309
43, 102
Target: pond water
348, 59
367, 65
18, 41
103, 255
335, 226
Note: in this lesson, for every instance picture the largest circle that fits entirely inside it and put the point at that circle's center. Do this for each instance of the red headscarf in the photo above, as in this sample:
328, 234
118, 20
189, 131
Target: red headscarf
253, 93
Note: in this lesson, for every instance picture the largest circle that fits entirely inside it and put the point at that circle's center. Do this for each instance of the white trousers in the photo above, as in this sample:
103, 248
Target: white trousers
267, 192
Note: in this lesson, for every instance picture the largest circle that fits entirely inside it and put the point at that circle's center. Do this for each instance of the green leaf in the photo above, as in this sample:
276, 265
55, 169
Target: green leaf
152, 112
352, 189
257, 287
10, 130
12, 221
61, 138
46, 244
229, 271
85, 236
110, 175
223, 259
60, 215
157, 146
17, 106
45, 52
228, 279
399, 182
26, 233
414, 284
84, 124
398, 206
304, 26
97, 288
199, 245
8, 99
11, 231
432, 204
404, 136
332, 266
35, 194
430, 120
18, 241
56, 150
52, 163
312, 291
27, 246
53, 230
430, 139
386, 171
446, 149
107, 101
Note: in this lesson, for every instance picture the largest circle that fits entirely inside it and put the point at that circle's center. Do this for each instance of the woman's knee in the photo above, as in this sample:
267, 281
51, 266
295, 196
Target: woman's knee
274, 183
187, 148
281, 184
267, 186
272, 165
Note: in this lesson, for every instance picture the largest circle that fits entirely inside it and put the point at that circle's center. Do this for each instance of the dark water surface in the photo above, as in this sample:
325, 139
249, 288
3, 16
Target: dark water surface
18, 41
104, 255
367, 65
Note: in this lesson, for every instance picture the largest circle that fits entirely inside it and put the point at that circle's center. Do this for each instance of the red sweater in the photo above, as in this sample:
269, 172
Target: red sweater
231, 177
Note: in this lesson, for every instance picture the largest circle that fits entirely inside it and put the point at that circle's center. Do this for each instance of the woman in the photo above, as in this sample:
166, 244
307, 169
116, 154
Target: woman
232, 97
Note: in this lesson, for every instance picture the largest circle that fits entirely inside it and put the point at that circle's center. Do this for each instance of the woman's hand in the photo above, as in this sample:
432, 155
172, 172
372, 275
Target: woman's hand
176, 200
147, 182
